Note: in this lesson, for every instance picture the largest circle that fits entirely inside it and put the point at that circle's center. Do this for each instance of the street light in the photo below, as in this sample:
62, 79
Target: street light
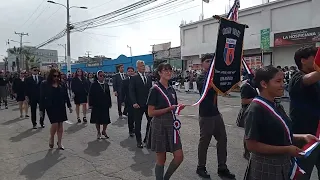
68, 30
19, 42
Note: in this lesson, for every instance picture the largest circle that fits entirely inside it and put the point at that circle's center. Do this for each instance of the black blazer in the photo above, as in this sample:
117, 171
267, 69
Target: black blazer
19, 86
80, 86
117, 83
46, 95
125, 91
138, 91
32, 87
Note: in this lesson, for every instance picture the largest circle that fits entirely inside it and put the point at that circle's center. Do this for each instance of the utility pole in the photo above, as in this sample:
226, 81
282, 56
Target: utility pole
68, 40
88, 53
65, 52
20, 52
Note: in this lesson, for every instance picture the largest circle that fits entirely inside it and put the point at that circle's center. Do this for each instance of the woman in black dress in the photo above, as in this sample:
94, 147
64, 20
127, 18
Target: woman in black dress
268, 131
19, 91
53, 100
80, 88
164, 129
100, 102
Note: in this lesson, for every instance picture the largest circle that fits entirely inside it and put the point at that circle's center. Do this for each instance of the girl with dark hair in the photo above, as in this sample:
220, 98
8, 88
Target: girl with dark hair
53, 100
164, 129
19, 90
100, 102
80, 88
268, 130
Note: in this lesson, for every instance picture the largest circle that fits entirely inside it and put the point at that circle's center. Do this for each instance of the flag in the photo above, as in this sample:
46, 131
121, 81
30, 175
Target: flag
233, 13
206, 1
317, 61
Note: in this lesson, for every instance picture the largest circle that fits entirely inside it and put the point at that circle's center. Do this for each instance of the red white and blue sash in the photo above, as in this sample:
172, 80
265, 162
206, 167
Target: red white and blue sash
308, 148
176, 122
296, 170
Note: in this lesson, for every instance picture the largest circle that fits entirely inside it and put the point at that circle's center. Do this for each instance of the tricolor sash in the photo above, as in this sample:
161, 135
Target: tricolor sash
176, 122
296, 170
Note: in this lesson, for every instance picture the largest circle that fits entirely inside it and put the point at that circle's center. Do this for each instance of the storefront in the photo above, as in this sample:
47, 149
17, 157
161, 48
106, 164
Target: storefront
286, 43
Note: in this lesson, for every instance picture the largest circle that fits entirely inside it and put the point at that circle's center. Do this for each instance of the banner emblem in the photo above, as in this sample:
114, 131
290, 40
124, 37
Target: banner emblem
229, 49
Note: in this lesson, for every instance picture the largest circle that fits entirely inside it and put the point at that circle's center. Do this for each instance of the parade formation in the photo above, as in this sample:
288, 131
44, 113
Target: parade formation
278, 143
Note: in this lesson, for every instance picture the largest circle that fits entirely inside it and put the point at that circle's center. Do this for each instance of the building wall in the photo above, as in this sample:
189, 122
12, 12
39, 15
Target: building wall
280, 16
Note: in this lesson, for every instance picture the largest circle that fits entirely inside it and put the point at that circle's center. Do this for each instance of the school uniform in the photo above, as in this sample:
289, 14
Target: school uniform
161, 136
265, 127
305, 116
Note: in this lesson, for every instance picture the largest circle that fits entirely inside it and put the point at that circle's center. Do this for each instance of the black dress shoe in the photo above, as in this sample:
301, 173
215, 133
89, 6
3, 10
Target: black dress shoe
34, 127
202, 172
131, 134
139, 145
85, 120
226, 173
42, 126
79, 120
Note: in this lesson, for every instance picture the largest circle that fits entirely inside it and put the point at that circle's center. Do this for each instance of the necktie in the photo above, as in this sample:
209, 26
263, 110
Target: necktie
121, 76
144, 79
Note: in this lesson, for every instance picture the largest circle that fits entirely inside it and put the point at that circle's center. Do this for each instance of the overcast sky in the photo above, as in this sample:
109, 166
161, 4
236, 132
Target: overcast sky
110, 40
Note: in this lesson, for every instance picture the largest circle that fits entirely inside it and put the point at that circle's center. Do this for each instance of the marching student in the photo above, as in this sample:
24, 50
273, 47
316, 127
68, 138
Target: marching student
80, 88
304, 91
211, 124
3, 90
163, 135
128, 109
19, 90
248, 92
53, 99
268, 130
139, 87
100, 102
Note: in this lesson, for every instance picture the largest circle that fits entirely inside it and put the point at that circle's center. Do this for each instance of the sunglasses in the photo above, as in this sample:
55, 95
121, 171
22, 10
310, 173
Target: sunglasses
101, 75
55, 75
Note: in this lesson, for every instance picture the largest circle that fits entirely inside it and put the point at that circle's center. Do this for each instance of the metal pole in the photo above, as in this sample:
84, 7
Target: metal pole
68, 40
65, 54
20, 54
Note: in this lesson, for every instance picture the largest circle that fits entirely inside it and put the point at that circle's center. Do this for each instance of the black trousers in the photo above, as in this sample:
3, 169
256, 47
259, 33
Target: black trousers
33, 104
212, 126
129, 110
119, 101
138, 113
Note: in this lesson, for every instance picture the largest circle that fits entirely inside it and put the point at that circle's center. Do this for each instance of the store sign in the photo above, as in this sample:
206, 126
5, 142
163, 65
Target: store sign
254, 62
297, 37
96, 64
265, 39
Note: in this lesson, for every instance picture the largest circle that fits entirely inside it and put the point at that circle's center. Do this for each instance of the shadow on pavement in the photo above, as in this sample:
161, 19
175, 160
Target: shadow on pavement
25, 134
144, 163
129, 143
96, 147
15, 109
120, 122
13, 121
37, 169
75, 128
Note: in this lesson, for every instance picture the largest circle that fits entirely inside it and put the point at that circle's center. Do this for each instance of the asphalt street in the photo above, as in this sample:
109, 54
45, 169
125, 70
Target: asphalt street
25, 154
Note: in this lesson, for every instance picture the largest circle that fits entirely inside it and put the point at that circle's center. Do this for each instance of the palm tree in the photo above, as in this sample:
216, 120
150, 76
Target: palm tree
16, 51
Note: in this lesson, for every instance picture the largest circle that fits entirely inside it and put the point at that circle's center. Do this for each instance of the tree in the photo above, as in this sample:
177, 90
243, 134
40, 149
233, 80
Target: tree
16, 51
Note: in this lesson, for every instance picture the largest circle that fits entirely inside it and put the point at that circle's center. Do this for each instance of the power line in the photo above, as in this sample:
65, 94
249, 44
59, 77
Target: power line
39, 15
32, 14
100, 5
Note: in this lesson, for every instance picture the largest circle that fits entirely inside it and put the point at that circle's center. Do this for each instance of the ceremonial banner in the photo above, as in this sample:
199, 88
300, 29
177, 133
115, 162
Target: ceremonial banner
317, 60
227, 64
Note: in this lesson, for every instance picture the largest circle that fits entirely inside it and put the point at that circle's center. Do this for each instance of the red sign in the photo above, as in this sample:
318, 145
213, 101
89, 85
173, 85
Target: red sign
297, 37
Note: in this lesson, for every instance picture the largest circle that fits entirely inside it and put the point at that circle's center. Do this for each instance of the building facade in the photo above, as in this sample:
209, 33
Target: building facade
42, 57
276, 30
171, 56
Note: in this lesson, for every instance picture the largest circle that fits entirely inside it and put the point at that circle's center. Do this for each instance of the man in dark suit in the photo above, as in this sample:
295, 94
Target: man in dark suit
128, 104
117, 87
139, 88
33, 95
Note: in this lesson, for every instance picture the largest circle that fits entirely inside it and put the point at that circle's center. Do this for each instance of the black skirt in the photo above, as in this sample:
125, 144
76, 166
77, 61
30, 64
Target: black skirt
57, 114
100, 115
80, 98
20, 97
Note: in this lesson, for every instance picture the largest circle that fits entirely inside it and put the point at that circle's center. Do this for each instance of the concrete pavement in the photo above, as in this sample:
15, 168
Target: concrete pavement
25, 154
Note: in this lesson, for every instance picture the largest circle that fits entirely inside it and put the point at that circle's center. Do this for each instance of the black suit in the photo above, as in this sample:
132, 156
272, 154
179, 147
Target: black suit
128, 104
117, 82
138, 92
33, 93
